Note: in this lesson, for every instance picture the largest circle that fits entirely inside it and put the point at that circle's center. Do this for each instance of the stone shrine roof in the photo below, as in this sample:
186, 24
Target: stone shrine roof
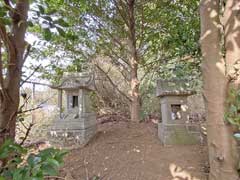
73, 81
174, 87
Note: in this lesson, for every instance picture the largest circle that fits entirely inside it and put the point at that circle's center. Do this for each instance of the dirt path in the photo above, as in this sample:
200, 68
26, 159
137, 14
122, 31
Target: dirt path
129, 151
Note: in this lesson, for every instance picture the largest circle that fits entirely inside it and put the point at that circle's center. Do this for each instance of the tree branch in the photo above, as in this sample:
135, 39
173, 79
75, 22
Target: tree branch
108, 33
27, 133
112, 83
120, 12
8, 44
27, 52
1, 67
24, 81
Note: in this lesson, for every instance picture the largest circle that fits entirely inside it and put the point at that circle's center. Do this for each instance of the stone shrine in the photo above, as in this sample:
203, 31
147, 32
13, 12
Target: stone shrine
175, 127
77, 120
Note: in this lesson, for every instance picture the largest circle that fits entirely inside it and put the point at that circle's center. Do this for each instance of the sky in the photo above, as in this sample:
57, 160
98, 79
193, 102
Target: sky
30, 38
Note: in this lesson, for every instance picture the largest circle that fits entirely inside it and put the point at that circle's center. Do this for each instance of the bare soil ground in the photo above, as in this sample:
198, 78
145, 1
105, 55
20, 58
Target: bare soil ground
132, 151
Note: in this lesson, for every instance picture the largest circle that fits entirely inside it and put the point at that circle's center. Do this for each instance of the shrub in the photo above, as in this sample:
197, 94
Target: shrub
19, 164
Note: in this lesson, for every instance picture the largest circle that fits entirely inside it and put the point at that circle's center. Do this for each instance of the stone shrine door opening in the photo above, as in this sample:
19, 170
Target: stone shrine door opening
74, 101
176, 112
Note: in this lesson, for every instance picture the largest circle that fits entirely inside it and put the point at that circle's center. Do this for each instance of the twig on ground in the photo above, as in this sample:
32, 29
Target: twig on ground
86, 170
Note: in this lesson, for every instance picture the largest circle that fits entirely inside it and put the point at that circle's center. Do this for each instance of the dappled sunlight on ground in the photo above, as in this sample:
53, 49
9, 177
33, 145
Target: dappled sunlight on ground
132, 151
180, 174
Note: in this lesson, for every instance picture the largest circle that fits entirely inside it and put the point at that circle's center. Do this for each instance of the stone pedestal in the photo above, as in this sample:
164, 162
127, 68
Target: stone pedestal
175, 128
77, 123
179, 134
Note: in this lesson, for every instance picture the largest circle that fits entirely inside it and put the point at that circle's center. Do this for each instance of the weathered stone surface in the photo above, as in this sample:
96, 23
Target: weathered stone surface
73, 121
166, 108
77, 124
174, 128
80, 136
73, 81
180, 134
175, 87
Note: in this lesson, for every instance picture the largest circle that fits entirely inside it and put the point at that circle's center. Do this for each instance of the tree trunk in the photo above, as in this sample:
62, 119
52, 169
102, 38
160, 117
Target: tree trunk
10, 82
231, 23
8, 114
134, 60
222, 152
135, 96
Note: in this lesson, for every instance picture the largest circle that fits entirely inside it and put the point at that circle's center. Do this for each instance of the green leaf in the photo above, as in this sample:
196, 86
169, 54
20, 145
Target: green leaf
61, 22
49, 170
72, 37
10, 147
16, 160
4, 154
37, 178
47, 34
49, 152
60, 155
17, 175
38, 165
5, 20
53, 163
48, 18
41, 9
95, 178
2, 12
33, 160
232, 121
51, 12
233, 109
61, 31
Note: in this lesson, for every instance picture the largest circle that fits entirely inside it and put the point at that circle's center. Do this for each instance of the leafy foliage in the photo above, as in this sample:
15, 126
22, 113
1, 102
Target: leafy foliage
59, 45
167, 34
33, 167
232, 115
42, 14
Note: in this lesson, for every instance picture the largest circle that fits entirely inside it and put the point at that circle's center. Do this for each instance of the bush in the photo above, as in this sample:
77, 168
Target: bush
232, 115
19, 164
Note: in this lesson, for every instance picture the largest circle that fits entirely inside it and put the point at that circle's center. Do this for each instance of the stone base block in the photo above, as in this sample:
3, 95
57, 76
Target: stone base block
66, 137
83, 121
179, 134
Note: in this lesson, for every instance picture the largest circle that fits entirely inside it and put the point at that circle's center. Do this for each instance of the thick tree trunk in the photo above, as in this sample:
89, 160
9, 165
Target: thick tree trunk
231, 23
135, 96
10, 82
8, 114
134, 60
222, 153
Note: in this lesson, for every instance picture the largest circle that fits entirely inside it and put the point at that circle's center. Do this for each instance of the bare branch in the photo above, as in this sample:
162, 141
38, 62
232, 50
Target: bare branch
30, 110
112, 83
27, 52
35, 108
142, 27
23, 125
108, 33
24, 103
121, 12
24, 81
27, 133
43, 84
8, 4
